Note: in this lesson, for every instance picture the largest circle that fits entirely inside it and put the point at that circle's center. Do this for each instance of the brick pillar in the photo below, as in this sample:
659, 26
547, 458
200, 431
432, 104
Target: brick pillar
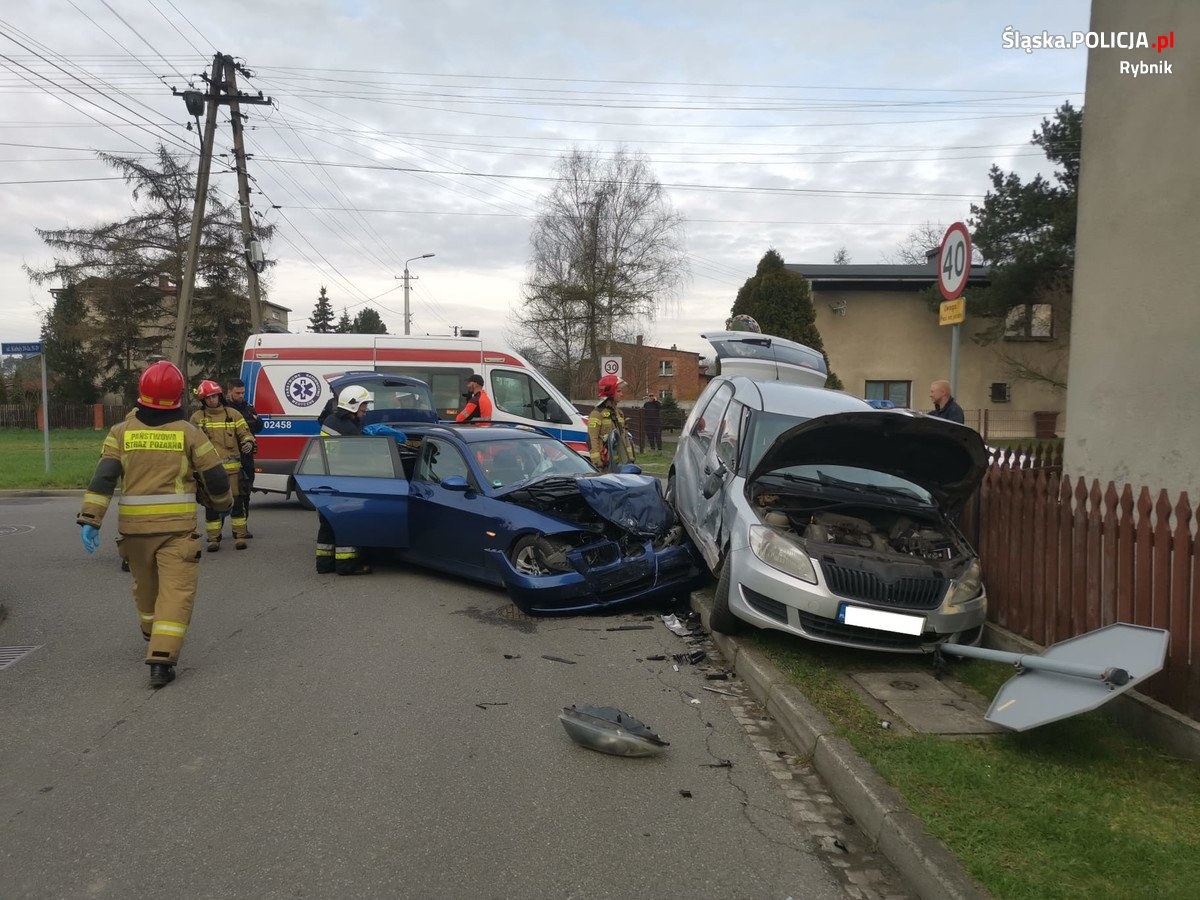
98, 416
41, 423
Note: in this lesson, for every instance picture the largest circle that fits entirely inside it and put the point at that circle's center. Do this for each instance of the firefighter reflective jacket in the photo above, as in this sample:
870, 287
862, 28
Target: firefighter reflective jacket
608, 440
155, 455
230, 435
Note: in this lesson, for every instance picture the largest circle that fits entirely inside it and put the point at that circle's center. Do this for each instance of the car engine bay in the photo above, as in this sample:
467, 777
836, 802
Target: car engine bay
822, 524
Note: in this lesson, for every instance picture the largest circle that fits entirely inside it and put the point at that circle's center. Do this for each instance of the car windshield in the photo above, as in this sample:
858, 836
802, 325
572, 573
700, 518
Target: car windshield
508, 462
856, 479
766, 428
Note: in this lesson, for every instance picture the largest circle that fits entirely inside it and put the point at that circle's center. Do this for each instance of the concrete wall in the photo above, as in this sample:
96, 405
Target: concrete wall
1133, 389
890, 335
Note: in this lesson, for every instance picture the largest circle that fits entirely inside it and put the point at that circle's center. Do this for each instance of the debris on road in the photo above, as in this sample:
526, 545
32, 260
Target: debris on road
673, 624
485, 704
692, 658
569, 662
610, 730
512, 655
686, 794
719, 764
721, 692
630, 628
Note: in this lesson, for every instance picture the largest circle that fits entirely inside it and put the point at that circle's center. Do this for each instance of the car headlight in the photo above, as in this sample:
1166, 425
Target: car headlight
968, 587
780, 553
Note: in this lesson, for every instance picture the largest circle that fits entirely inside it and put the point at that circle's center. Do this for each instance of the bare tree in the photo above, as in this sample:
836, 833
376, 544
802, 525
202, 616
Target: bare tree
606, 250
913, 249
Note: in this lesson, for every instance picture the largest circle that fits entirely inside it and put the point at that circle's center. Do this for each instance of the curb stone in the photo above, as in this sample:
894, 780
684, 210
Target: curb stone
924, 862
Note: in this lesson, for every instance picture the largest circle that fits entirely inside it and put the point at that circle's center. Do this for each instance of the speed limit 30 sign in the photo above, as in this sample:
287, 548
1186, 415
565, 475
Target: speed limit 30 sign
954, 261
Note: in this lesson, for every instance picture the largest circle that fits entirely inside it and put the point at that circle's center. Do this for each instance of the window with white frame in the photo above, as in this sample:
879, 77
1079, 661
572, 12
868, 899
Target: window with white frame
666, 367
1029, 322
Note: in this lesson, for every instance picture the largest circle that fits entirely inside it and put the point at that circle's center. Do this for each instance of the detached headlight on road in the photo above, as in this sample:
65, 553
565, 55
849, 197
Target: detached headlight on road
780, 553
968, 587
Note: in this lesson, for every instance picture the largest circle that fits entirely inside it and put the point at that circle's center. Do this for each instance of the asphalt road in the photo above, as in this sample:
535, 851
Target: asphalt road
324, 739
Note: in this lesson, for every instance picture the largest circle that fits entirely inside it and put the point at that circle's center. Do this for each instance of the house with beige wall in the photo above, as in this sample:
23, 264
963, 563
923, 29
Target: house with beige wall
884, 342
1134, 414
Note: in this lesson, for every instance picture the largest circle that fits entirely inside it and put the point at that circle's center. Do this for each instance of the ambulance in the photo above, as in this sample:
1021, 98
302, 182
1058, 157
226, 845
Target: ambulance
288, 376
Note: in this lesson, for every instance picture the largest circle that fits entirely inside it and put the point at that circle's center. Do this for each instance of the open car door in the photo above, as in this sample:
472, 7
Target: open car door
358, 484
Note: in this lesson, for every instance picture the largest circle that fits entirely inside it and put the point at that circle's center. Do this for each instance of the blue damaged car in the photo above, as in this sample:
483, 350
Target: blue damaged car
506, 505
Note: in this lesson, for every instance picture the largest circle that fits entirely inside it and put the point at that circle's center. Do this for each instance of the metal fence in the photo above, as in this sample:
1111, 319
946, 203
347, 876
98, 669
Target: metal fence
1009, 424
62, 415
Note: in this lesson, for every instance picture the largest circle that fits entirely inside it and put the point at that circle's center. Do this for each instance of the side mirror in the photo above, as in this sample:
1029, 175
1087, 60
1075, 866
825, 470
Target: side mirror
456, 483
629, 469
714, 481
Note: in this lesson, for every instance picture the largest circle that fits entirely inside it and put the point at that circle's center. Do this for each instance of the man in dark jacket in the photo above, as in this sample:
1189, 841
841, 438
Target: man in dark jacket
944, 406
652, 421
235, 398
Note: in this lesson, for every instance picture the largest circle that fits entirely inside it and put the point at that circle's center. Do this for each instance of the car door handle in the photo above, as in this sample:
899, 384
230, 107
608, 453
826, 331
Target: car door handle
322, 490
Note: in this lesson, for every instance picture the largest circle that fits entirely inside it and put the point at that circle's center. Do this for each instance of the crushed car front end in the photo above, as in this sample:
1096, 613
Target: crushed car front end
617, 543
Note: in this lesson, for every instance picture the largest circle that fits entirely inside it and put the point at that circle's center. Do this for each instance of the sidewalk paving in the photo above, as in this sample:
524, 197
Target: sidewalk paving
929, 869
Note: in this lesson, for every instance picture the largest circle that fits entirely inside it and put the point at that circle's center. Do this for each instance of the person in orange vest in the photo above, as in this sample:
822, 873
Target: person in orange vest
479, 404
160, 460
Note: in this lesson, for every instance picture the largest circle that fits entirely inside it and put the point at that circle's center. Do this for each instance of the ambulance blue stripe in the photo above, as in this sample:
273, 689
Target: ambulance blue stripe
250, 376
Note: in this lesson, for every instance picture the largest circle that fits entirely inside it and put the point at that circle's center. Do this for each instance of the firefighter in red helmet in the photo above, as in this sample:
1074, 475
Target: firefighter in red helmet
608, 439
159, 458
230, 434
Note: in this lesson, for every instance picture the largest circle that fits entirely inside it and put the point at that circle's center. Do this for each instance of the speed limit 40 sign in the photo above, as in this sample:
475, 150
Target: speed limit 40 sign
954, 261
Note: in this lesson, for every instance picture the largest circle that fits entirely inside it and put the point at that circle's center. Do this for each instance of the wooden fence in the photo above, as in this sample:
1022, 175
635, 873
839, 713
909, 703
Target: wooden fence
1061, 558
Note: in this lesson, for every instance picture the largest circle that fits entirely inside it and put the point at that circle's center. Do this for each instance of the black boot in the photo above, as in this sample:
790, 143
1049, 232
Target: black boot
161, 674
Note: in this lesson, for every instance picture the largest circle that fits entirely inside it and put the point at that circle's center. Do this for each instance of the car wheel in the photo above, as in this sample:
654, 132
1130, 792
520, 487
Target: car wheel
722, 618
524, 556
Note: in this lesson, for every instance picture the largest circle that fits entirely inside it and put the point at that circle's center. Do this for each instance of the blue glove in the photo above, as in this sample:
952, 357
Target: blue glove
379, 428
90, 535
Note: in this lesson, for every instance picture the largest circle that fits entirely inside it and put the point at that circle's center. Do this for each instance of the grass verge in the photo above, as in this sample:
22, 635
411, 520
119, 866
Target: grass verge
73, 457
1078, 808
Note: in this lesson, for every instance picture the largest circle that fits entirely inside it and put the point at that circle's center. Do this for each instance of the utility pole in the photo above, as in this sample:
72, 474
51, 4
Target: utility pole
407, 278
239, 156
220, 83
184, 313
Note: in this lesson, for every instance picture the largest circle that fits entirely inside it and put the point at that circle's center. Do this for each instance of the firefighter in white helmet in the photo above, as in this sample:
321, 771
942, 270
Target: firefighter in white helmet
160, 459
345, 421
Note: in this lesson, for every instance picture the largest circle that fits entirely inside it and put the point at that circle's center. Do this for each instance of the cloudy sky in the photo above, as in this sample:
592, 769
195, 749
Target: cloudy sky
400, 128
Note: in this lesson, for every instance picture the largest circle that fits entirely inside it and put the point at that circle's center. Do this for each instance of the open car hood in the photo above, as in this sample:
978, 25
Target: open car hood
947, 459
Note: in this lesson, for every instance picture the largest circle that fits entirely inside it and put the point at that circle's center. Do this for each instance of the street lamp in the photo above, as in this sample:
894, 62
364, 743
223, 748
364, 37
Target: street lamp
408, 278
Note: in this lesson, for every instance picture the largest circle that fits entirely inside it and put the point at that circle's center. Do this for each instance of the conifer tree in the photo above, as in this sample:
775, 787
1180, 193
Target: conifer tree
321, 321
781, 302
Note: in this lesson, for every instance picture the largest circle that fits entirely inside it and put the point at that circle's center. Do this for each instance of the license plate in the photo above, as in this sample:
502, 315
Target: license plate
879, 619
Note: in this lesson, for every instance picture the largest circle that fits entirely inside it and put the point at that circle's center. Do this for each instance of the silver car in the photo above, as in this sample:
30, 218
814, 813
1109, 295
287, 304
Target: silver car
827, 519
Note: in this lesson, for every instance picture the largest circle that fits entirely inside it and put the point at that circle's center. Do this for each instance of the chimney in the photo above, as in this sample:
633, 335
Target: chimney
639, 340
